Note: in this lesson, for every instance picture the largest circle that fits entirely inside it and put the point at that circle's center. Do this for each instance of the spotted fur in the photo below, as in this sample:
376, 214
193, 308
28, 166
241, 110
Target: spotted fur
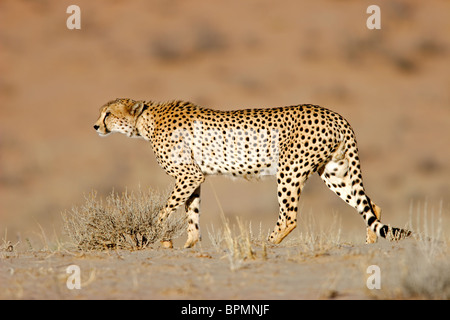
292, 143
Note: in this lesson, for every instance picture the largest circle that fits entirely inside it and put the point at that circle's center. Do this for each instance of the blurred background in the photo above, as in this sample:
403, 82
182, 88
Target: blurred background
392, 85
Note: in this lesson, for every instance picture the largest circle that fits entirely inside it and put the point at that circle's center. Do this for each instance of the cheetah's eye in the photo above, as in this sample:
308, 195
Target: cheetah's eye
107, 115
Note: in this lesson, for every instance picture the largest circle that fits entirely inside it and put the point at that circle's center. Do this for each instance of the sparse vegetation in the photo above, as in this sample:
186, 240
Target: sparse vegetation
126, 221
315, 238
239, 245
427, 275
5, 244
425, 278
325, 267
417, 268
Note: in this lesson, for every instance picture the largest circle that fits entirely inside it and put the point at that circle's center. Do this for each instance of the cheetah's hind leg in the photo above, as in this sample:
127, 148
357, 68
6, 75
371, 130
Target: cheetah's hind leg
342, 175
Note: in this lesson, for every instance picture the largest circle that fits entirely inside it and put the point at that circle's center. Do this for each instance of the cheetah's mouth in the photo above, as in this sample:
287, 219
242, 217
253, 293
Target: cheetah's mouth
104, 134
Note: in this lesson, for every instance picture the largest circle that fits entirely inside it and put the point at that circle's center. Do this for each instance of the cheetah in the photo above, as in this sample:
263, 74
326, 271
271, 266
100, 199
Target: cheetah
292, 143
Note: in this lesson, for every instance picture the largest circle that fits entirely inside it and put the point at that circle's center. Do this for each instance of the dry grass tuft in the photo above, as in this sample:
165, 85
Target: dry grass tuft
428, 262
425, 278
6, 245
126, 221
239, 247
239, 244
316, 238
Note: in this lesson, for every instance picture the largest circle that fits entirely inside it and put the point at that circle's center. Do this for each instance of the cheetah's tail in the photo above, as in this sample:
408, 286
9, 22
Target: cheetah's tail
380, 229
393, 234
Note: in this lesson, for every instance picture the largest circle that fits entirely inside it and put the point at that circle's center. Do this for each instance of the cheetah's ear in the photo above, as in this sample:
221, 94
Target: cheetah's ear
137, 108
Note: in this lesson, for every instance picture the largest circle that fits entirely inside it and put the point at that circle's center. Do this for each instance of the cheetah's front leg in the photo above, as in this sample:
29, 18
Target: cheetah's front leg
193, 216
186, 191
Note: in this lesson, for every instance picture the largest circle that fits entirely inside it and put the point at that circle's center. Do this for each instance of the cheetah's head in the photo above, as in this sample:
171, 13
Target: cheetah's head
119, 116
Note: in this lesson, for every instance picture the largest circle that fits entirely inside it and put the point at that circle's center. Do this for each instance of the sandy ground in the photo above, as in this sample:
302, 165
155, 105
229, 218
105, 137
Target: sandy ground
391, 84
340, 272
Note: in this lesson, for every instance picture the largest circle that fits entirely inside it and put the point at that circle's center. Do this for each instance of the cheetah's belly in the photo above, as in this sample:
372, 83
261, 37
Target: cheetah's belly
249, 163
248, 171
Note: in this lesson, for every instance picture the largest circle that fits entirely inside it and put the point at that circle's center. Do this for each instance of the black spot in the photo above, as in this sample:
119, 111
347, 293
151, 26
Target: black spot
383, 231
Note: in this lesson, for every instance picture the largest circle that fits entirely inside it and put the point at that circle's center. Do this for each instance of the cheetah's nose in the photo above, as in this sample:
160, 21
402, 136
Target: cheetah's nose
96, 127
